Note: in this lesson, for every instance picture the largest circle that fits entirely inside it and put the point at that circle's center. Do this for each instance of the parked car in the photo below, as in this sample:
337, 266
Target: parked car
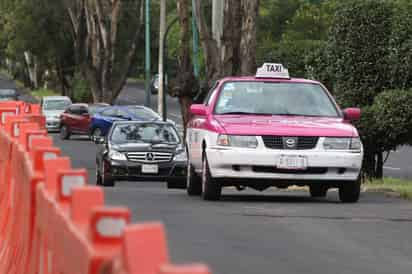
154, 84
52, 107
103, 120
76, 120
149, 151
273, 130
9, 95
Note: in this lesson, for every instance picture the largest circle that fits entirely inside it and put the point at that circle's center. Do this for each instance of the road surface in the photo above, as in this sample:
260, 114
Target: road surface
270, 232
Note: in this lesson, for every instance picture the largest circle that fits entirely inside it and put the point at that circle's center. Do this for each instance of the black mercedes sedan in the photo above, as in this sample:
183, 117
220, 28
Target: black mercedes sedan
141, 151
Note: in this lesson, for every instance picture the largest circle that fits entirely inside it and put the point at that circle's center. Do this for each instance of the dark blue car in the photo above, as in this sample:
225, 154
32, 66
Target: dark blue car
103, 119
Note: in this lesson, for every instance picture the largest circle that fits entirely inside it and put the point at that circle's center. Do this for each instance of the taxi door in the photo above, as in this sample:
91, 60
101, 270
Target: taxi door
197, 129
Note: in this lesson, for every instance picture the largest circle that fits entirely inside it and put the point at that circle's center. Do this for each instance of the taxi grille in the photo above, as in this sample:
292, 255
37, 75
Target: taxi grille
150, 157
278, 142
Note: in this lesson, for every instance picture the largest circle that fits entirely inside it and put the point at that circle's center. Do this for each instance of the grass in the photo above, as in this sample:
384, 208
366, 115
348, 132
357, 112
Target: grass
403, 187
39, 93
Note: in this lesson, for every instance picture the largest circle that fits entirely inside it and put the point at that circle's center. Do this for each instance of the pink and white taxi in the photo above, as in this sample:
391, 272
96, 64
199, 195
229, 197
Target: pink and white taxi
273, 130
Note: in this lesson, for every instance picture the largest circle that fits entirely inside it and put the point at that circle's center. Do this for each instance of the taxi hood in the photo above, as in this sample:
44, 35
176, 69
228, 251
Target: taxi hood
285, 126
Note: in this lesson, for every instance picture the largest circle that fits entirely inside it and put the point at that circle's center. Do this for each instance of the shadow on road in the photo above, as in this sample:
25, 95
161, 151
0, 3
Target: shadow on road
281, 198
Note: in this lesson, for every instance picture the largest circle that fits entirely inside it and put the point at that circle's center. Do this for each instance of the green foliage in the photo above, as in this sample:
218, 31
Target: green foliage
358, 50
81, 90
392, 120
401, 45
304, 27
39, 93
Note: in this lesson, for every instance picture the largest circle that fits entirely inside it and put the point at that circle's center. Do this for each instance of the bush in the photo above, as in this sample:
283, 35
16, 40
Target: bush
385, 125
358, 50
81, 92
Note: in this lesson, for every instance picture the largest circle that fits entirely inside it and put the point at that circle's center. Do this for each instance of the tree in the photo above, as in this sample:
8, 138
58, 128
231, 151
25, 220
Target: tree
359, 58
401, 46
183, 86
105, 35
227, 55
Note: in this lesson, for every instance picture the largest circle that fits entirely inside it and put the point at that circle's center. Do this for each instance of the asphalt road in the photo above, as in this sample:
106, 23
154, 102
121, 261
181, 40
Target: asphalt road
270, 232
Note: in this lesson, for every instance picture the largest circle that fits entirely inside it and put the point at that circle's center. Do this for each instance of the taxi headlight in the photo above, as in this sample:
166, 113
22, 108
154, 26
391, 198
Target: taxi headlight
342, 144
237, 141
117, 156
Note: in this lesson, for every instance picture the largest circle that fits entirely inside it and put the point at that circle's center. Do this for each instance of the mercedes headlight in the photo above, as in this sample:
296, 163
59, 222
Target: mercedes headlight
117, 156
237, 141
353, 144
181, 156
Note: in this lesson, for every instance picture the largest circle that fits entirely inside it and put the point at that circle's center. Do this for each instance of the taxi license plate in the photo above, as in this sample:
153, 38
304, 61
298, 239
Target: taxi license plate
292, 162
150, 169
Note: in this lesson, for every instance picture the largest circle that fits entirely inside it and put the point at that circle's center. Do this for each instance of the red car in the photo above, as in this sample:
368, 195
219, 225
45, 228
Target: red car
76, 119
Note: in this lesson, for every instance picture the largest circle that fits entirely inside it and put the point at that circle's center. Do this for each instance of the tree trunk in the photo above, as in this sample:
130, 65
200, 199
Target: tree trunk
183, 85
379, 165
369, 164
250, 11
185, 103
95, 28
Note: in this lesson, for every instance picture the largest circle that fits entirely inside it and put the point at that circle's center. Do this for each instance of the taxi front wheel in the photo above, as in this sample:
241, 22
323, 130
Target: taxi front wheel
349, 192
211, 189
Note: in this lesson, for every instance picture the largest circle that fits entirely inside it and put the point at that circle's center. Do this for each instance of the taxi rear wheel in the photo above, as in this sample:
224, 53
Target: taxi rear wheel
318, 191
193, 181
211, 190
349, 192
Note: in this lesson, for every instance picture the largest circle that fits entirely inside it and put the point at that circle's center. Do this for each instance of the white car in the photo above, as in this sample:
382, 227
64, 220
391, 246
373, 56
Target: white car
52, 107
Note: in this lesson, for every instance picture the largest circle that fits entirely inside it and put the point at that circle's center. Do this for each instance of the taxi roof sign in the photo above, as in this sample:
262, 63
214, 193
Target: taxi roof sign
270, 70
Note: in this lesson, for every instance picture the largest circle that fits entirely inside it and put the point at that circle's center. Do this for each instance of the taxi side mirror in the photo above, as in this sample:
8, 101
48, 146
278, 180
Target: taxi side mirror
198, 109
352, 114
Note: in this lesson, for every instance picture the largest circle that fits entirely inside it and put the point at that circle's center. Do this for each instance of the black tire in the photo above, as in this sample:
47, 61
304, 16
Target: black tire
193, 181
318, 190
97, 132
106, 182
349, 192
64, 133
176, 184
98, 180
211, 189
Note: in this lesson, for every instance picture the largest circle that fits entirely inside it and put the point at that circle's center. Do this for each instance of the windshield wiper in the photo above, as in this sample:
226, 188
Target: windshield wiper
244, 113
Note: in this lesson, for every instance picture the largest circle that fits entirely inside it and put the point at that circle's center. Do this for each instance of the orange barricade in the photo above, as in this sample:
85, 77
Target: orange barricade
52, 222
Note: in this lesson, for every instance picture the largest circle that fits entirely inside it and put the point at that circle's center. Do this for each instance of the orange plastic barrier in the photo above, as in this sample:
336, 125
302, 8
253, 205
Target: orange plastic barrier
52, 222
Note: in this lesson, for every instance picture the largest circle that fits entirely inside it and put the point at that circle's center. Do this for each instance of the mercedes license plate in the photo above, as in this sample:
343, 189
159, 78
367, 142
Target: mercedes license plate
150, 169
292, 162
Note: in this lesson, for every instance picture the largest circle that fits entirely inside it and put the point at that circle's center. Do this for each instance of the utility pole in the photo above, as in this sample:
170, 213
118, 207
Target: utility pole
148, 61
161, 57
195, 41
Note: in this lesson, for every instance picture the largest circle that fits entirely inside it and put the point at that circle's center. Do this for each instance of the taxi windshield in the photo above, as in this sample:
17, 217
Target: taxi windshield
266, 98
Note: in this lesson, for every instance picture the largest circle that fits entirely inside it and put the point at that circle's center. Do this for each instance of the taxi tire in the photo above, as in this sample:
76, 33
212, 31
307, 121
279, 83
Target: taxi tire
64, 133
211, 189
318, 191
349, 192
193, 181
